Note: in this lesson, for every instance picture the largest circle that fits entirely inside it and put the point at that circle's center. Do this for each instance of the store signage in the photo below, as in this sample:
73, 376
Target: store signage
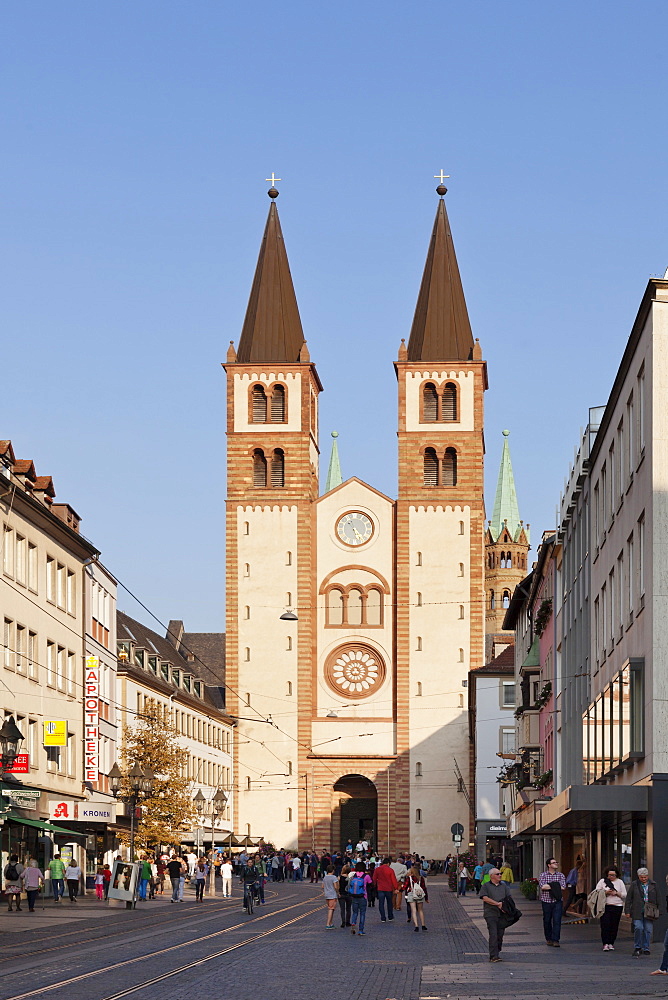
76, 811
21, 764
55, 733
498, 829
22, 798
92, 719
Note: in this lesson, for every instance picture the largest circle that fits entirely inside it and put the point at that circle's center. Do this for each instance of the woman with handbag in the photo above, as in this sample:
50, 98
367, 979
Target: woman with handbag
416, 896
615, 894
643, 906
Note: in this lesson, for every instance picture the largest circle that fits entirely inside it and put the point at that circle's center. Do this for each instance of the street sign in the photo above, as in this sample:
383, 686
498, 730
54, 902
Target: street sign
457, 839
457, 830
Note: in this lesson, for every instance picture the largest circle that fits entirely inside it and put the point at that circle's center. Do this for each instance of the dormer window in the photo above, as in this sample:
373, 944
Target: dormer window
176, 677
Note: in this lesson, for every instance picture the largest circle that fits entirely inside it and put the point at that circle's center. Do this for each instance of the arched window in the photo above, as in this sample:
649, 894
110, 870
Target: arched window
247, 614
334, 607
449, 404
259, 404
430, 403
506, 598
289, 643
461, 610
492, 600
430, 467
461, 527
450, 467
418, 559
418, 644
246, 528
288, 558
509, 560
418, 600
278, 404
259, 468
418, 815
418, 691
355, 607
277, 469
418, 769
374, 607
289, 689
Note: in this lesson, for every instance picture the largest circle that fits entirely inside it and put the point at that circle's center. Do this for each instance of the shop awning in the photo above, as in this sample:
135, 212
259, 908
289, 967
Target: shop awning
43, 825
585, 807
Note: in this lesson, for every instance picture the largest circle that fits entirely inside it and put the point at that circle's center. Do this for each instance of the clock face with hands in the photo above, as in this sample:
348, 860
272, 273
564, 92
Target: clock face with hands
354, 528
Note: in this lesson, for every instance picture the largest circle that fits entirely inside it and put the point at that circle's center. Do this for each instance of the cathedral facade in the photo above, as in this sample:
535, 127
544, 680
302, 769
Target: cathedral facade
353, 617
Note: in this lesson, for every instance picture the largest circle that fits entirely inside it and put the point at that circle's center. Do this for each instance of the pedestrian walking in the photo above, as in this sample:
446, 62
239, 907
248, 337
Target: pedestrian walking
551, 883
462, 879
400, 871
144, 877
415, 888
615, 894
571, 885
226, 876
643, 906
330, 890
73, 879
57, 875
385, 882
371, 891
493, 894
201, 872
191, 858
345, 902
99, 882
13, 871
175, 870
477, 877
357, 889
106, 880
32, 880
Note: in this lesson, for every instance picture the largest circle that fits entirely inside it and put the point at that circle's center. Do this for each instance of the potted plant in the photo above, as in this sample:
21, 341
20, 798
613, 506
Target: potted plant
529, 888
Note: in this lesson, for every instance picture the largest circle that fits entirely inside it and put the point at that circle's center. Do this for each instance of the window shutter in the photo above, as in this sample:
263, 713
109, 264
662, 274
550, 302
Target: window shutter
430, 468
259, 468
430, 403
277, 469
450, 402
450, 467
278, 405
259, 405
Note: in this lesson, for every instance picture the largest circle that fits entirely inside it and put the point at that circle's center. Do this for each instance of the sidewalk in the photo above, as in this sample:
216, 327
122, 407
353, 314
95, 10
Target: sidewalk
532, 971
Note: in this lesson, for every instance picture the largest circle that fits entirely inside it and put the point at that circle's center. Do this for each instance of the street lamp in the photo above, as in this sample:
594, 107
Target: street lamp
11, 738
216, 808
200, 802
141, 781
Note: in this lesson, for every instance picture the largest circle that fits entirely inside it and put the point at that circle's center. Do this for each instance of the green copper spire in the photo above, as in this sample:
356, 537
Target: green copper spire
505, 501
334, 477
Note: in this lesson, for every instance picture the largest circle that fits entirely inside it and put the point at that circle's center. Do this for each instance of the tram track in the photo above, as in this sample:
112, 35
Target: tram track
312, 904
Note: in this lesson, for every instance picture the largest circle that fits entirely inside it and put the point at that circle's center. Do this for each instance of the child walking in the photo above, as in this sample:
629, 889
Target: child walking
99, 883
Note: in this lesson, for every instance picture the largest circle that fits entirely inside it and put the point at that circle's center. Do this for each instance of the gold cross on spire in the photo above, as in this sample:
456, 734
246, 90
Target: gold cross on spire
441, 176
273, 179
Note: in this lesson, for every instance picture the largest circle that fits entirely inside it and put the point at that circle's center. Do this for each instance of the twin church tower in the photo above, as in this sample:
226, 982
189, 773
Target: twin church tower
354, 618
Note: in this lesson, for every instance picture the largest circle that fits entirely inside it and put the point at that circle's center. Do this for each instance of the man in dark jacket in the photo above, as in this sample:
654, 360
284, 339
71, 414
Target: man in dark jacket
643, 905
493, 894
176, 868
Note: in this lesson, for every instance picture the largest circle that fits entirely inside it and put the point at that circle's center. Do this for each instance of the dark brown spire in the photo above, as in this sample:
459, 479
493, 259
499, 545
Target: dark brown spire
441, 330
272, 329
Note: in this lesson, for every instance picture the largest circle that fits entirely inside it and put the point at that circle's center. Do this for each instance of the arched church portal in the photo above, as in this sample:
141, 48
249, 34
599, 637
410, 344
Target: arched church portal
354, 811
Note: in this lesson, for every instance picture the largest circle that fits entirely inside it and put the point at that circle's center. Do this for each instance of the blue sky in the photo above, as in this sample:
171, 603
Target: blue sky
136, 142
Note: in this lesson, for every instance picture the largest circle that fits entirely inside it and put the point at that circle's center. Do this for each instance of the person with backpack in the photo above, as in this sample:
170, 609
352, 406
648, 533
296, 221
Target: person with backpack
57, 874
357, 888
13, 872
416, 896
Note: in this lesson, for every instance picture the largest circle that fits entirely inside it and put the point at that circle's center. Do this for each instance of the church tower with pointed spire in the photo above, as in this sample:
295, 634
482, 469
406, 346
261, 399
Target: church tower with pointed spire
272, 482
506, 551
439, 560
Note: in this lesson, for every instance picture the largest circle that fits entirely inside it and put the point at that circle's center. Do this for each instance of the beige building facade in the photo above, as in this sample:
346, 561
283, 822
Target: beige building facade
354, 618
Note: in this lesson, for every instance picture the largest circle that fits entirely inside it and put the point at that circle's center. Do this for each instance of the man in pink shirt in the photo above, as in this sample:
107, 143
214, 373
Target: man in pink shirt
385, 882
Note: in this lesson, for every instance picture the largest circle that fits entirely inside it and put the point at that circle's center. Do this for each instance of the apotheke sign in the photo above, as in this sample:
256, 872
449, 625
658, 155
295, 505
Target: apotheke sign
82, 812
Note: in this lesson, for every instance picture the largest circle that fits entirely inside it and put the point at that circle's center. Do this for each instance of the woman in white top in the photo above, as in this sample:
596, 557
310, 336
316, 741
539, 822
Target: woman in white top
330, 887
615, 894
73, 877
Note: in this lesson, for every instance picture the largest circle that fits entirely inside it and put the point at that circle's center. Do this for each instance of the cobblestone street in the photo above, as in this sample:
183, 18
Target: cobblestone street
283, 952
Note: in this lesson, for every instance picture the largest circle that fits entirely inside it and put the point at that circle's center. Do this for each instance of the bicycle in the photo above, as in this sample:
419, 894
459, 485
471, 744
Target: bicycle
249, 891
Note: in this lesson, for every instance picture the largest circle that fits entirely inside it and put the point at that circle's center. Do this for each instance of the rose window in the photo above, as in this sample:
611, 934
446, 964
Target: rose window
355, 670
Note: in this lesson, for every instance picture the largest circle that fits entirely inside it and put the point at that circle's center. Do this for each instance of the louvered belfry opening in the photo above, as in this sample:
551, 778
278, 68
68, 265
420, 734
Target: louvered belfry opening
278, 468
278, 404
450, 467
259, 468
449, 403
430, 403
430, 467
259, 405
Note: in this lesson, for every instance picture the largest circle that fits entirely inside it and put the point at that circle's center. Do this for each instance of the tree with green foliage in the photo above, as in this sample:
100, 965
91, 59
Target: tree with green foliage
153, 743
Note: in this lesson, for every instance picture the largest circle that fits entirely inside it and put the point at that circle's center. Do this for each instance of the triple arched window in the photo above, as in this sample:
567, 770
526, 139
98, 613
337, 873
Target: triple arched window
439, 469
269, 471
440, 403
354, 605
268, 405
